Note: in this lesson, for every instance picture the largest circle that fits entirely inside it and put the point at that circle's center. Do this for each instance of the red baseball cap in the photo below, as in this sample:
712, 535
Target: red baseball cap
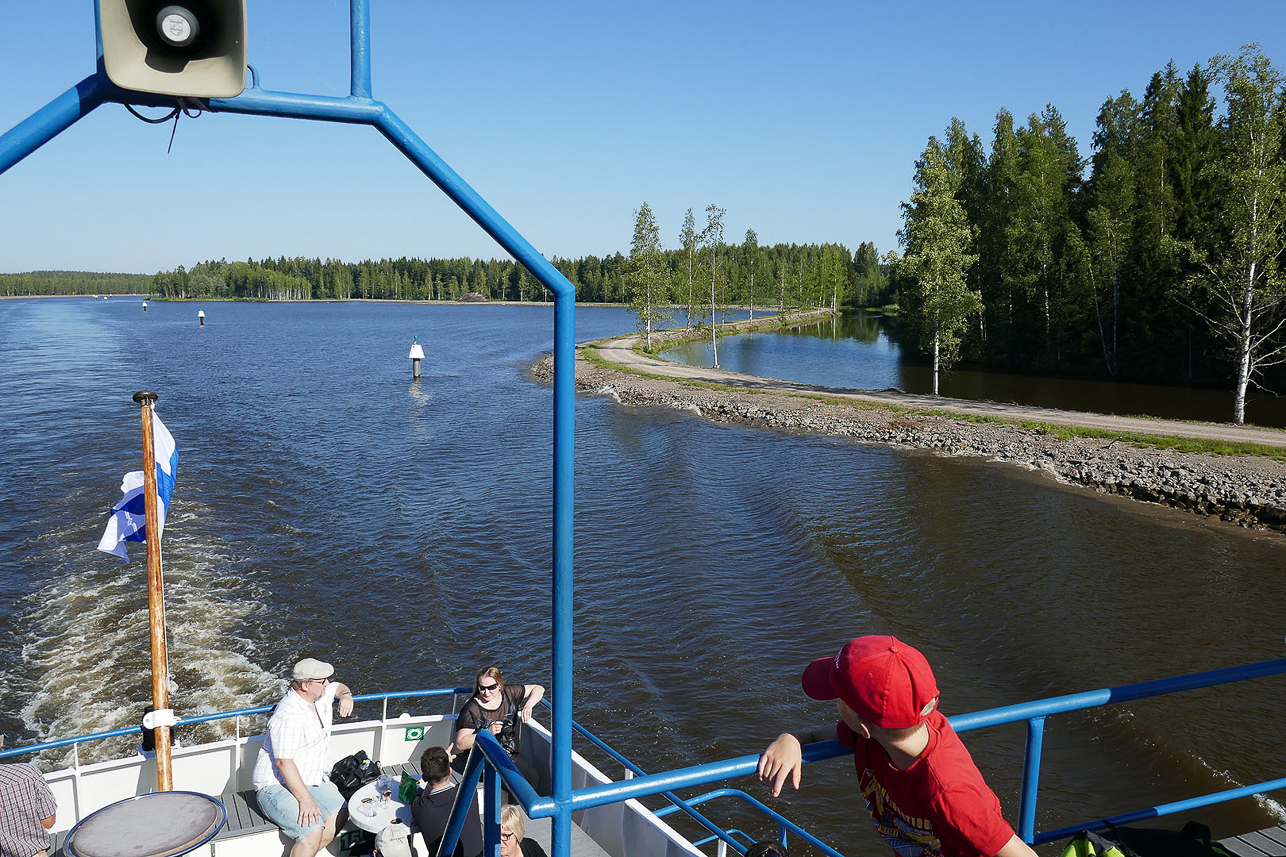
885, 681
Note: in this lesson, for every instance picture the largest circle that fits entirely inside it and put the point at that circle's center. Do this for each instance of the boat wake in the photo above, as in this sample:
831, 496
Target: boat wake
86, 654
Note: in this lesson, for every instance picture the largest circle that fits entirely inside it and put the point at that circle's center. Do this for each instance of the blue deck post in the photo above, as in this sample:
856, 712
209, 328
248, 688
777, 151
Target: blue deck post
359, 17
1031, 779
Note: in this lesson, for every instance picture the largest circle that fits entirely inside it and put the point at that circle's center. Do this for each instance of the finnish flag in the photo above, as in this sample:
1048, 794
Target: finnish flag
128, 520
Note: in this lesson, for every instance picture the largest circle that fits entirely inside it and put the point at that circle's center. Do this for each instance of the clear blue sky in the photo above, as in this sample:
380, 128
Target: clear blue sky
802, 120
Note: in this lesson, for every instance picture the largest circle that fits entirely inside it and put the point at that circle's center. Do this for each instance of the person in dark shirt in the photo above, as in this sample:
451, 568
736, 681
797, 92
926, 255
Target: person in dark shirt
513, 835
432, 809
494, 705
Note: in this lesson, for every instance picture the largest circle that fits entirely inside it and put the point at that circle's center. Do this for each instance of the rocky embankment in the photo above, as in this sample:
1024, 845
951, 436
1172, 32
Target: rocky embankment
1245, 490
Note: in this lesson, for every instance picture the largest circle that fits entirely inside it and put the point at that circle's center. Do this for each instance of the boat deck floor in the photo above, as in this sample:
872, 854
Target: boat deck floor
1269, 842
244, 817
539, 829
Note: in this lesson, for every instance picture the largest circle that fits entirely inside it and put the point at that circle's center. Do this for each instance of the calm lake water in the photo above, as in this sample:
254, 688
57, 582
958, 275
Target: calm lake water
329, 506
856, 350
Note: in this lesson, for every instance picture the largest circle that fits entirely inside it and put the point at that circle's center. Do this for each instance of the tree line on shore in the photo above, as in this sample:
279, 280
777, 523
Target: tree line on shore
1162, 264
705, 275
799, 271
73, 283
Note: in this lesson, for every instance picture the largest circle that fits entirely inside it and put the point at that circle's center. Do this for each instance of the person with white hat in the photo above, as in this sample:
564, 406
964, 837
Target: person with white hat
290, 775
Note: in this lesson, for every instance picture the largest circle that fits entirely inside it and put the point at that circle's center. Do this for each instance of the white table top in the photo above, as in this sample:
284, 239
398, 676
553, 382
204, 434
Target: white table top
365, 811
159, 824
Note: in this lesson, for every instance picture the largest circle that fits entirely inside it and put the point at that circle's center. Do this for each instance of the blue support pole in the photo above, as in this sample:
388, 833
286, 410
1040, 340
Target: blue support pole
290, 105
1031, 779
359, 16
490, 813
460, 811
564, 400
358, 108
52, 119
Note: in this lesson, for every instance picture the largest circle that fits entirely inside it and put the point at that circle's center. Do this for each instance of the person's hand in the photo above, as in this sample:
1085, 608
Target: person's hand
496, 726
346, 704
784, 759
525, 714
309, 812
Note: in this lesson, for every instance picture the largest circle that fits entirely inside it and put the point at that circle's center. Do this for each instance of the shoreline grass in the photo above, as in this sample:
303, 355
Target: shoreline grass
1062, 431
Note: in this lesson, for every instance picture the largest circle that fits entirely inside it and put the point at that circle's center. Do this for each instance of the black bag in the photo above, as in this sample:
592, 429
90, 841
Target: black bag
1192, 841
352, 772
509, 735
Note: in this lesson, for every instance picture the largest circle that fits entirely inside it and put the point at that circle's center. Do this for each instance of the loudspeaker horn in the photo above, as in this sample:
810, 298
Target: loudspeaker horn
193, 48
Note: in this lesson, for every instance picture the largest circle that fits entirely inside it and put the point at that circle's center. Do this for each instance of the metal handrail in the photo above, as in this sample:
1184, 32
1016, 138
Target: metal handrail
220, 715
676, 803
1034, 713
784, 825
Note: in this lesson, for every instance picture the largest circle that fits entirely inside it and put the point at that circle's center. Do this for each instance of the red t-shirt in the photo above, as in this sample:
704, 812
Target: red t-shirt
938, 807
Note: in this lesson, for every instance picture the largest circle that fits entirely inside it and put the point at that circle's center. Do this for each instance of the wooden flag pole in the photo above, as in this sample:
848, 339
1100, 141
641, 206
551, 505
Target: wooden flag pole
155, 596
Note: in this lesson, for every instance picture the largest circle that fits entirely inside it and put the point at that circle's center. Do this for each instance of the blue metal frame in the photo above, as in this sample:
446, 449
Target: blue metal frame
1034, 713
360, 109
492, 765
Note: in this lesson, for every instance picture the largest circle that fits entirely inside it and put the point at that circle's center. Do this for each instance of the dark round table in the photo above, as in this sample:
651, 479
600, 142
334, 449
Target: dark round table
162, 824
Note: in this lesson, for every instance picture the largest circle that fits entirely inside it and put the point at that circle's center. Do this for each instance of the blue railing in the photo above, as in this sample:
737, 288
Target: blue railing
678, 804
784, 825
493, 766
221, 715
1033, 713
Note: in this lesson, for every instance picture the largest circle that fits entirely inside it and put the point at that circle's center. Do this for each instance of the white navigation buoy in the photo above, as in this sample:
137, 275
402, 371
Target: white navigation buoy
200, 314
416, 355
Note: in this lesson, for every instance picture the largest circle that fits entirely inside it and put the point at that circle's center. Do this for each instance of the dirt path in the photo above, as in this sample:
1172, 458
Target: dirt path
621, 351
1248, 490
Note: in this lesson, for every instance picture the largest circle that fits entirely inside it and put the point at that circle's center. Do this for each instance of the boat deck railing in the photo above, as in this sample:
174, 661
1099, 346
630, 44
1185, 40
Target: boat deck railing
636, 784
238, 714
492, 765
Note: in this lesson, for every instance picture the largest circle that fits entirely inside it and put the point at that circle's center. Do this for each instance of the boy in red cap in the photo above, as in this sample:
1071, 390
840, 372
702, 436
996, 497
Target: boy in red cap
922, 788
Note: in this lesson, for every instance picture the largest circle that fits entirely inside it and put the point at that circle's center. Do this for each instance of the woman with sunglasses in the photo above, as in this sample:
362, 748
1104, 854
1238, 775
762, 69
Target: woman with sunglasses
512, 831
493, 705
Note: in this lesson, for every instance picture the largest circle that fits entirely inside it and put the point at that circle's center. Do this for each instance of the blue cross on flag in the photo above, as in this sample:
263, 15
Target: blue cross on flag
128, 521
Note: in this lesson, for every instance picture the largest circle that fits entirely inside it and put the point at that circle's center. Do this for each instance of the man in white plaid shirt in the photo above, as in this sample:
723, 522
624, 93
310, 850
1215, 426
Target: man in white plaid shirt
290, 776
27, 810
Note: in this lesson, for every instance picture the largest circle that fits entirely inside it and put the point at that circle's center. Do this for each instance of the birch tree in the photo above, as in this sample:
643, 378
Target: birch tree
938, 237
646, 274
1241, 270
711, 243
750, 259
688, 240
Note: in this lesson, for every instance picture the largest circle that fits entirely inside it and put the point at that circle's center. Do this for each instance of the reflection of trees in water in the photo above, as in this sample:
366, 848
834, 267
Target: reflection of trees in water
861, 326
881, 340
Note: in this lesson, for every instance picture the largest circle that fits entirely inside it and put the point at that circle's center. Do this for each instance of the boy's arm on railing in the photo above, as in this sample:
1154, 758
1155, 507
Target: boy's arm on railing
784, 758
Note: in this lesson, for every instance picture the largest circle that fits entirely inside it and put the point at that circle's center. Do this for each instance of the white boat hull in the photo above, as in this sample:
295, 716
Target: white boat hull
223, 768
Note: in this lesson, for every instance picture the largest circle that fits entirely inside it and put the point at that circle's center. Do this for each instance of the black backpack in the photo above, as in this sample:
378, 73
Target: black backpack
352, 772
1192, 841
